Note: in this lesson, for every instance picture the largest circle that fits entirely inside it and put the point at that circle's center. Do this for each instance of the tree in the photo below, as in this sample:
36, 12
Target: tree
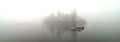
61, 23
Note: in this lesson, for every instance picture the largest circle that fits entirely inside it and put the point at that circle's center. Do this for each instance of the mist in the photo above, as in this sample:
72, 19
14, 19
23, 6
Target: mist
23, 20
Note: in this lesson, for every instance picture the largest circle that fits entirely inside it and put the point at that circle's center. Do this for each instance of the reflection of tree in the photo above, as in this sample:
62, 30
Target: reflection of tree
61, 22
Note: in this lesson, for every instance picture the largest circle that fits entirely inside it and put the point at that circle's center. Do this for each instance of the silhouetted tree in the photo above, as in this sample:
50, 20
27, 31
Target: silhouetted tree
61, 23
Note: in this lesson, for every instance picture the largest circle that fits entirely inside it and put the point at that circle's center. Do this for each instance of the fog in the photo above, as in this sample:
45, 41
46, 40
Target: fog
23, 20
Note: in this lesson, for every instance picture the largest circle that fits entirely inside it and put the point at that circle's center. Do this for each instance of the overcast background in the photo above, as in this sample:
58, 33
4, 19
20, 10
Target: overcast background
20, 18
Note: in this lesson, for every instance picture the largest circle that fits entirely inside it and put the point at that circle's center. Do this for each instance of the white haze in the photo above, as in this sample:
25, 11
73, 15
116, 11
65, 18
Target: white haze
22, 18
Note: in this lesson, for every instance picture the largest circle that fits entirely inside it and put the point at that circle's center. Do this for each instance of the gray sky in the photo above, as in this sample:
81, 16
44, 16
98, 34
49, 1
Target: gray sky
33, 9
